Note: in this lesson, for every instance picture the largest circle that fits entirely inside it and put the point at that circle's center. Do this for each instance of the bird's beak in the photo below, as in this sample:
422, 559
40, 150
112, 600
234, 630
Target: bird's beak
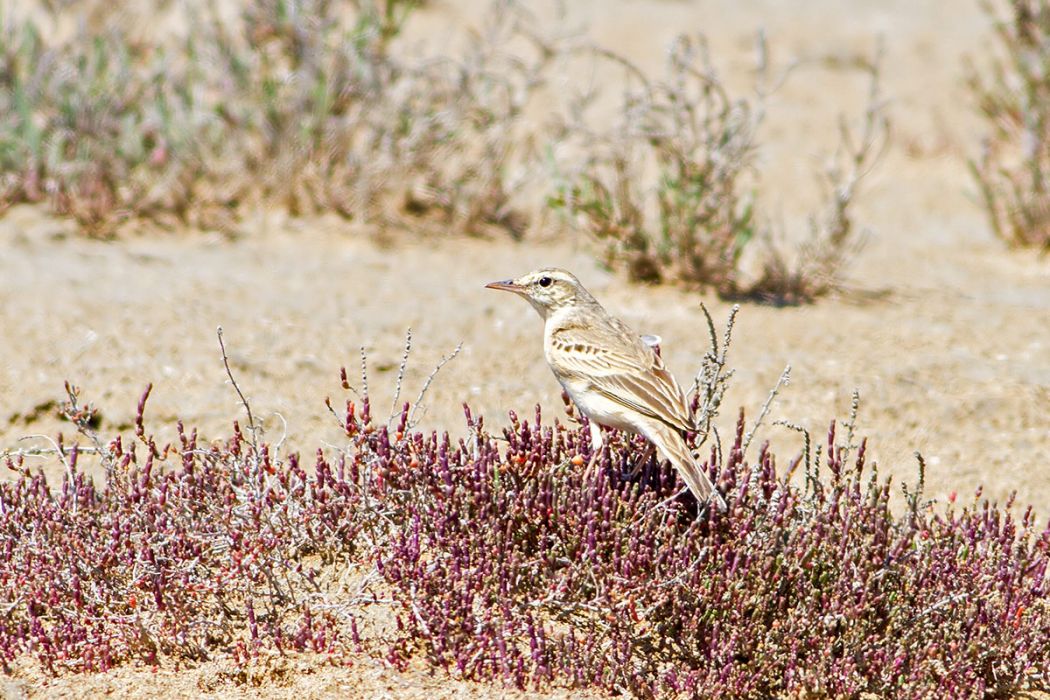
506, 286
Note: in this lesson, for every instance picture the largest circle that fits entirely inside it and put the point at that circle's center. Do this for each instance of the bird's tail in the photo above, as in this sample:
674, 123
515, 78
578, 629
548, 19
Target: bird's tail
673, 448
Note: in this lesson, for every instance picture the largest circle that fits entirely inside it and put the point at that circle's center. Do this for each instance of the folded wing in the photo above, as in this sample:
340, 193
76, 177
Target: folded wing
624, 370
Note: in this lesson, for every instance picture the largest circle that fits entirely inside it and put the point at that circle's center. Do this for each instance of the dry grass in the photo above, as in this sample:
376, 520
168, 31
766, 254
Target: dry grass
1013, 95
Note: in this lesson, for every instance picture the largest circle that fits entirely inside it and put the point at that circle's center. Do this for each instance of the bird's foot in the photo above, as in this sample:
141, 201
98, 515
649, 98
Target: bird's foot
642, 462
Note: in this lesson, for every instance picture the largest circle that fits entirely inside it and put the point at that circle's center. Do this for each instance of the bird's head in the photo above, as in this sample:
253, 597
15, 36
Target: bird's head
547, 289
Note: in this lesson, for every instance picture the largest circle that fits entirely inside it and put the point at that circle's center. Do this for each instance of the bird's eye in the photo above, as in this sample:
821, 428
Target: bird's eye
545, 281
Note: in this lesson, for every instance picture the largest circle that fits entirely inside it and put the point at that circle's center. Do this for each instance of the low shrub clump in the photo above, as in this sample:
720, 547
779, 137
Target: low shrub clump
702, 143
184, 550
670, 191
517, 555
290, 105
1013, 96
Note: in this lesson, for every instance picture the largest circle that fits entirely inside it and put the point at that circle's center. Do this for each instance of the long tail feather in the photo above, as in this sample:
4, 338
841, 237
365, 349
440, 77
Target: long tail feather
673, 448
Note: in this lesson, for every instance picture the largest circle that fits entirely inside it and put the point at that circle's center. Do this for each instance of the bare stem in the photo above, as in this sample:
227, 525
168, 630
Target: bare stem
247, 407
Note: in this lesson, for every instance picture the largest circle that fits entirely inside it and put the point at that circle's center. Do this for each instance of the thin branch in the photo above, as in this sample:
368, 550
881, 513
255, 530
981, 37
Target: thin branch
426, 385
394, 411
785, 377
851, 427
247, 408
712, 381
364, 372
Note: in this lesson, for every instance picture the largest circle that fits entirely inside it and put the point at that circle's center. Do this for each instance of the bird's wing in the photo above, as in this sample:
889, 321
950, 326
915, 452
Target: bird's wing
618, 365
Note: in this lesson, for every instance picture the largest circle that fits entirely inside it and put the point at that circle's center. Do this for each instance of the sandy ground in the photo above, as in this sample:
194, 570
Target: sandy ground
952, 358
277, 679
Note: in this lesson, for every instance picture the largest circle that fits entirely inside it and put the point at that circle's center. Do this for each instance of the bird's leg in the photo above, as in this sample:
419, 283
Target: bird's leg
639, 465
596, 436
596, 445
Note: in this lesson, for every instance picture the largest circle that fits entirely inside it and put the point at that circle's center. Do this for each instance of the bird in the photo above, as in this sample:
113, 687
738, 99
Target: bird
615, 378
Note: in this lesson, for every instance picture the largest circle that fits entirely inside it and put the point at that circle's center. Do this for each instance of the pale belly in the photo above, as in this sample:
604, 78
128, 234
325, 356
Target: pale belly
598, 408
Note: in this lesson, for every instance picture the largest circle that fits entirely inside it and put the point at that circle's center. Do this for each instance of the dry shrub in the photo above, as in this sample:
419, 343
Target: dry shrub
816, 266
1013, 96
670, 189
82, 128
289, 105
693, 225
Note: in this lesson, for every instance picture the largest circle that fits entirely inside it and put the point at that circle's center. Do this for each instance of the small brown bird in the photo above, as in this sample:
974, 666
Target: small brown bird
614, 377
